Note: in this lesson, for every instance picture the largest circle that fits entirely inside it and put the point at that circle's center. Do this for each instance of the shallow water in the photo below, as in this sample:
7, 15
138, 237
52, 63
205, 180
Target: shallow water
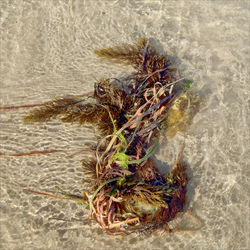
47, 51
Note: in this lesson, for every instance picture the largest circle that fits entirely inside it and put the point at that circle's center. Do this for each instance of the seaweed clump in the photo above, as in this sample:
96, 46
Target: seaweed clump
129, 193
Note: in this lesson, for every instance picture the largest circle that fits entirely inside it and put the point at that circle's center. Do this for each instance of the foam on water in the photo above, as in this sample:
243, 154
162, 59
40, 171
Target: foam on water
47, 51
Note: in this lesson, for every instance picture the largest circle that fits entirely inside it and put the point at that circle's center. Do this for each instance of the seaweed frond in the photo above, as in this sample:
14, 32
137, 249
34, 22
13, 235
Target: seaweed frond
135, 54
109, 94
89, 170
181, 113
126, 191
142, 200
144, 57
49, 110
77, 198
90, 114
125, 53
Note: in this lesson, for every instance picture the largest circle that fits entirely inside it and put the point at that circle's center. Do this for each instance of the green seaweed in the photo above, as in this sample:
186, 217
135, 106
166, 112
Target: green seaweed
71, 197
186, 85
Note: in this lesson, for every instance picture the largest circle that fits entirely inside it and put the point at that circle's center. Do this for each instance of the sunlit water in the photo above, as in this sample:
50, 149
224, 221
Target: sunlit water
47, 51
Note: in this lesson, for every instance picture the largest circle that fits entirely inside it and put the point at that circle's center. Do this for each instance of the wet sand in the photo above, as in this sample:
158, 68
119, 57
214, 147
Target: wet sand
47, 51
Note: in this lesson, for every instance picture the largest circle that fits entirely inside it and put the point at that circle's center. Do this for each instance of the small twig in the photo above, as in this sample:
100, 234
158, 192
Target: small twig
46, 152
22, 106
51, 195
43, 104
32, 153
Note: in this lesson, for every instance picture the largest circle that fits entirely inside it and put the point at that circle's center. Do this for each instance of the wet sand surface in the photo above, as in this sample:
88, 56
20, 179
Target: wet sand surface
47, 52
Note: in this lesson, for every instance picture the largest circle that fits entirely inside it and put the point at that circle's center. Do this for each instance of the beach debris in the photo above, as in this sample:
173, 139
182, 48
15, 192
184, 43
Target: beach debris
129, 193
181, 113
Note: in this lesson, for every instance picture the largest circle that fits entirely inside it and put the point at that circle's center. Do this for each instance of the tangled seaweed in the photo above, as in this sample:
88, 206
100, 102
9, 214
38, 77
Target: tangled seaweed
130, 193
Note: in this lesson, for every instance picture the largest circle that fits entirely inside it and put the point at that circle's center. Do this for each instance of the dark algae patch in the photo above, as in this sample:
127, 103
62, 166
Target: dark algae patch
129, 193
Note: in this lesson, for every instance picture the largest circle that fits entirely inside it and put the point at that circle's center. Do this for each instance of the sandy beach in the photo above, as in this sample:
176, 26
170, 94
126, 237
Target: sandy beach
46, 51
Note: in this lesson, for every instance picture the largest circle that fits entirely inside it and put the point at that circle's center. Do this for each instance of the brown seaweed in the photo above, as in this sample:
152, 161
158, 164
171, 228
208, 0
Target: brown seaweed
128, 192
